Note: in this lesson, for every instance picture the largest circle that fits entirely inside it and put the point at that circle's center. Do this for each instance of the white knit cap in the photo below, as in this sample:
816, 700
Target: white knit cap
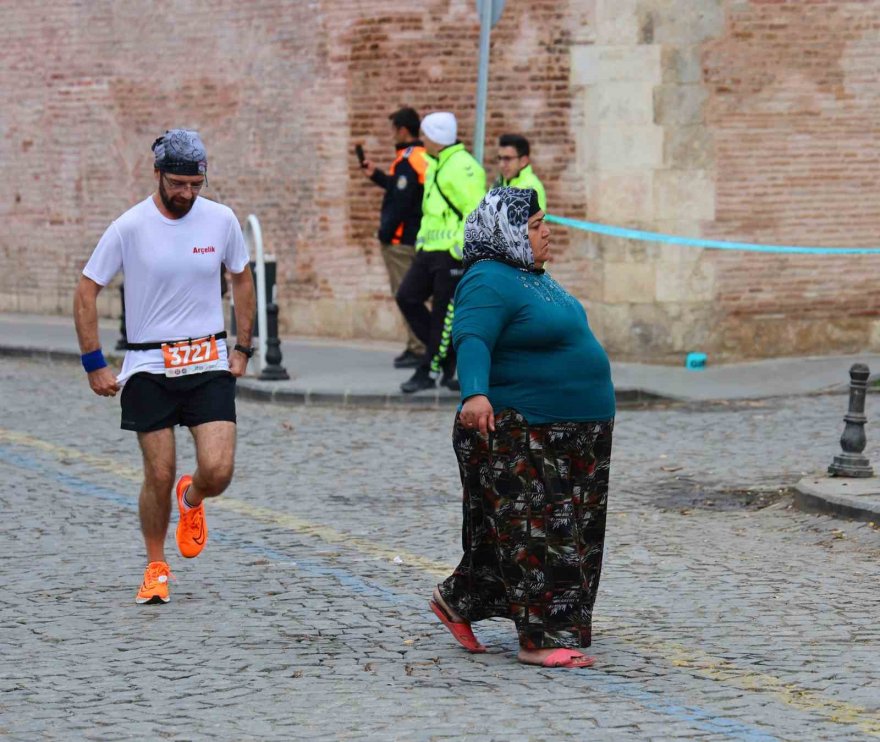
440, 127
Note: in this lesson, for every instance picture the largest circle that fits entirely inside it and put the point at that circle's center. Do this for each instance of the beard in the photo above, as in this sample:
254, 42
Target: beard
178, 206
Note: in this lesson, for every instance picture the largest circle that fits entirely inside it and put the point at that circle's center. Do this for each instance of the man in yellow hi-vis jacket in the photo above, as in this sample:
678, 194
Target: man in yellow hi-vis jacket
454, 185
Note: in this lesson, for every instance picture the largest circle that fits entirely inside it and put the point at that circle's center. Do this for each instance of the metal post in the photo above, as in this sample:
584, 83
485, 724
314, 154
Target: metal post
122, 343
273, 370
851, 463
482, 79
254, 236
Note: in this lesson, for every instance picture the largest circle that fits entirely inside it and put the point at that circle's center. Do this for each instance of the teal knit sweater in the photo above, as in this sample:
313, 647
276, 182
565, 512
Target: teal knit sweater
524, 342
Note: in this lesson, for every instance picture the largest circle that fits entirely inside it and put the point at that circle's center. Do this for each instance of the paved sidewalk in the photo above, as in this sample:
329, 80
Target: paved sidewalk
361, 373
723, 616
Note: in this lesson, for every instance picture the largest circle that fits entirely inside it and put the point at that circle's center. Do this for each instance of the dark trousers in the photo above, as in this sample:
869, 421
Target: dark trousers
535, 504
398, 259
432, 275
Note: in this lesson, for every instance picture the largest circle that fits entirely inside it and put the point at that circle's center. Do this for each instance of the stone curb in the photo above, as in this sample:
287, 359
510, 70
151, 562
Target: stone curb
420, 400
44, 354
254, 390
809, 497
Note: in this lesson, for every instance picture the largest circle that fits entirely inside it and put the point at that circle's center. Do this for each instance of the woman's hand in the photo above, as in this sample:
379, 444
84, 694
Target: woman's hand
477, 413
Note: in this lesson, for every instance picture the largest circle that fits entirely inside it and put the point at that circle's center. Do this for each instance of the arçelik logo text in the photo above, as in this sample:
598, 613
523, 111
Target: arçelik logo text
203, 250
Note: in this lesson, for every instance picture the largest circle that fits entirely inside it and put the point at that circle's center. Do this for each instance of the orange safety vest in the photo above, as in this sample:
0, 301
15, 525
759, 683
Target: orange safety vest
418, 158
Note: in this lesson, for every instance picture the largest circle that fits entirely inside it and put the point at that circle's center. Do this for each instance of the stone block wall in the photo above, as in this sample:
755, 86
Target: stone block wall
745, 120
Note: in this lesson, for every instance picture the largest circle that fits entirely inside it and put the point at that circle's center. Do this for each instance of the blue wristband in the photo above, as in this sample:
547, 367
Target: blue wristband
93, 361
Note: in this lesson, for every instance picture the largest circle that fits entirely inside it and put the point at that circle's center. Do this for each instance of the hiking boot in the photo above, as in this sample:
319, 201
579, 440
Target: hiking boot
408, 359
421, 379
154, 588
451, 383
448, 378
192, 530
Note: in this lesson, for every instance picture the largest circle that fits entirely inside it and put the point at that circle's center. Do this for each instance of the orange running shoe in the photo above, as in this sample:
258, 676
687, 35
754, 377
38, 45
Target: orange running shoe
192, 530
154, 588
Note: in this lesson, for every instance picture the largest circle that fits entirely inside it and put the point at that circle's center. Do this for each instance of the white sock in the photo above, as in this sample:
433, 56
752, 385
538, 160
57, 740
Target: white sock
186, 506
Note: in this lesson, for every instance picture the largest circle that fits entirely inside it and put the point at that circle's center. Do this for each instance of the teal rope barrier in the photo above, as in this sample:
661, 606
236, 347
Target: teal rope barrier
637, 234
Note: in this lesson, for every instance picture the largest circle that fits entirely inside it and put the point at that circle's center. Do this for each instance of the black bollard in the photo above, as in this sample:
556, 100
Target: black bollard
851, 463
122, 343
274, 371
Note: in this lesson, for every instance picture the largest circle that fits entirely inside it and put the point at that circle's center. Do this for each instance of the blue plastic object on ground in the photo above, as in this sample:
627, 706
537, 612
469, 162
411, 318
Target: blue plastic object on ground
695, 361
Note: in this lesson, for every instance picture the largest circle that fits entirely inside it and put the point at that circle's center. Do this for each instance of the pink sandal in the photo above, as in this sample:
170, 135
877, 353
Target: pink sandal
567, 658
461, 630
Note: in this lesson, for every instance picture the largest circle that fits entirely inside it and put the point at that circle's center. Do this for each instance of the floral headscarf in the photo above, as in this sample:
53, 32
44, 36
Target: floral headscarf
498, 229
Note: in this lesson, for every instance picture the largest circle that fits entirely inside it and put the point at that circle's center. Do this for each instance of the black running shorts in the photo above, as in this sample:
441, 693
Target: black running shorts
155, 401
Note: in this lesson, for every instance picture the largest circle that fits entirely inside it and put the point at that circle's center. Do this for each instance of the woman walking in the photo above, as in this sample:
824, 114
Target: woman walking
532, 439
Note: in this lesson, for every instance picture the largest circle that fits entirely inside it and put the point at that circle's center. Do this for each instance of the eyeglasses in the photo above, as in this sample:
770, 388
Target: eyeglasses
177, 186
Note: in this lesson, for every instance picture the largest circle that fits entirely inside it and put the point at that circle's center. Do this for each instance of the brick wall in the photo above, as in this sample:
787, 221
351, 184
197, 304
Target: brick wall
794, 99
427, 59
280, 92
746, 120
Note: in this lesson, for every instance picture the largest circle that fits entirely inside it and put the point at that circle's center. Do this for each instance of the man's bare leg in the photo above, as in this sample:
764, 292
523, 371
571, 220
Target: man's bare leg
215, 460
154, 504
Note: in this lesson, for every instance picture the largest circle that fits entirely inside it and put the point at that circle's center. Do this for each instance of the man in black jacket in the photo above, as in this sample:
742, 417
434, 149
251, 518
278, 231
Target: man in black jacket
402, 211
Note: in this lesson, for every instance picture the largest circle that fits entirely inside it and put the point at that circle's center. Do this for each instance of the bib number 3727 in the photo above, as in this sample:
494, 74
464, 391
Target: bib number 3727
191, 357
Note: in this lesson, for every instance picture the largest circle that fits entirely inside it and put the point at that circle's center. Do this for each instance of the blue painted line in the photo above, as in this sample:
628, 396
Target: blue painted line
694, 716
315, 567
319, 568
604, 684
669, 239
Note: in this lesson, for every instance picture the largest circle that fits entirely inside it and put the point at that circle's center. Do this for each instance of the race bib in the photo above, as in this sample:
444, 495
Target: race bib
191, 357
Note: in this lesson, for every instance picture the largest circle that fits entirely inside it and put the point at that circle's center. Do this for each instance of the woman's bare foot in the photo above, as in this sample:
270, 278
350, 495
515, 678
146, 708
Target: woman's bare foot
459, 627
442, 603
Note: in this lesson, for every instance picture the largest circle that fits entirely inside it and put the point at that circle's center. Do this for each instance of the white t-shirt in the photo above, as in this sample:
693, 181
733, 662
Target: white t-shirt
172, 275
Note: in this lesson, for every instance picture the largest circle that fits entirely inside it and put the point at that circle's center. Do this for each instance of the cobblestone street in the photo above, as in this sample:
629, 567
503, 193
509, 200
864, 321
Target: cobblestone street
723, 614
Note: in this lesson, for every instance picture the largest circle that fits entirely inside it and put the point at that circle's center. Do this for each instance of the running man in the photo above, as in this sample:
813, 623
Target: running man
177, 371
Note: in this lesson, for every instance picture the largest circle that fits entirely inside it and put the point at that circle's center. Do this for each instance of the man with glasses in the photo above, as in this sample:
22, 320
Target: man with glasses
177, 370
515, 167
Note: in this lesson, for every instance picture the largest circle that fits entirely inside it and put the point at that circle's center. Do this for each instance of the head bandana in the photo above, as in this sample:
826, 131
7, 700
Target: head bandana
180, 152
498, 229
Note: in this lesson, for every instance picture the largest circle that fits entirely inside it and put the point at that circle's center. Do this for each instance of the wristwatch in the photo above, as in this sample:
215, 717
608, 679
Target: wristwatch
249, 352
